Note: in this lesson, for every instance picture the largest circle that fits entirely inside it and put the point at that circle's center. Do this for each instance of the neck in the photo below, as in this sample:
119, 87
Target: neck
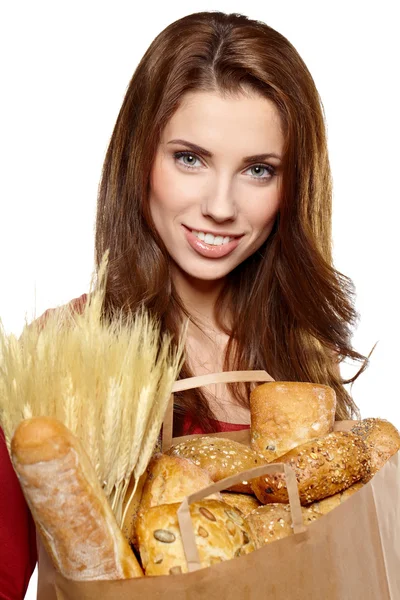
198, 296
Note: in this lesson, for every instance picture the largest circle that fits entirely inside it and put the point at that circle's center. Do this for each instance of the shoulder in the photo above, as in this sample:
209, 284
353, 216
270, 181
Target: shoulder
76, 305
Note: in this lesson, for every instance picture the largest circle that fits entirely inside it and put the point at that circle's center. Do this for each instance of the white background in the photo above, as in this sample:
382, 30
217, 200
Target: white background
67, 66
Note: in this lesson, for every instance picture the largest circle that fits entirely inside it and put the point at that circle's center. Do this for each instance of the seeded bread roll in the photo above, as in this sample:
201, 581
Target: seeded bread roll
68, 505
323, 467
273, 521
285, 414
220, 532
220, 457
327, 504
382, 439
243, 502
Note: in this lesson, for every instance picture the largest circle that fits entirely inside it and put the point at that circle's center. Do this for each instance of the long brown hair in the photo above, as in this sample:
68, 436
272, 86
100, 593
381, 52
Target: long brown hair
293, 313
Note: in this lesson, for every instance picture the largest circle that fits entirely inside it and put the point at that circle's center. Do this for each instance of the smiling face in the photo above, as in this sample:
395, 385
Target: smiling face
215, 205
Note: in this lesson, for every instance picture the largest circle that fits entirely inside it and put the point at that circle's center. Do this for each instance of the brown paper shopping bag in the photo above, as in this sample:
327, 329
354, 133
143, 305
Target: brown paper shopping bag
351, 553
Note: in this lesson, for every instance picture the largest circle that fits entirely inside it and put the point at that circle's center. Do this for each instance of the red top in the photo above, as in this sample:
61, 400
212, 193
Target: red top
219, 426
18, 555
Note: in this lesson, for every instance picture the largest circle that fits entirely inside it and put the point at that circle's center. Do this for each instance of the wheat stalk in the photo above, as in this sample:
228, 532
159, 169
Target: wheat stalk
108, 382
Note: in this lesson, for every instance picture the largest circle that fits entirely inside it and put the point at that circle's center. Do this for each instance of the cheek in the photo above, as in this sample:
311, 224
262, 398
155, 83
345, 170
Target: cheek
169, 192
263, 215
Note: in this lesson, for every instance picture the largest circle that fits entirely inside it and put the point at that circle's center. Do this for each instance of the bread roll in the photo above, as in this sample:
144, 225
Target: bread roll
274, 521
323, 467
171, 478
243, 502
129, 524
220, 533
220, 457
327, 504
285, 414
69, 507
382, 439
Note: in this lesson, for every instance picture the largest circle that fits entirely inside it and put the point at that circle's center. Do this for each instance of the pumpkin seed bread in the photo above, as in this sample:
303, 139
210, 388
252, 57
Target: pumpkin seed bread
220, 532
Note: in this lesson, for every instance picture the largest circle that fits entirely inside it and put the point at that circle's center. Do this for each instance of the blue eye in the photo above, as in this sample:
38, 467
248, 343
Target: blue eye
187, 154
178, 155
270, 170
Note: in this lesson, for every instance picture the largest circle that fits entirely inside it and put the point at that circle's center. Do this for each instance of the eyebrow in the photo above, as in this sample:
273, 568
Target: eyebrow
204, 152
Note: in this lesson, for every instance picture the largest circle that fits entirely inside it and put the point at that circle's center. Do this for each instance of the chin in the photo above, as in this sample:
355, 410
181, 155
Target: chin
207, 274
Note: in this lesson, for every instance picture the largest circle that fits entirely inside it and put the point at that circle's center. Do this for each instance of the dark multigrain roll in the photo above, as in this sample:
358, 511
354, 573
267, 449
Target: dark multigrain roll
274, 521
323, 467
327, 504
382, 439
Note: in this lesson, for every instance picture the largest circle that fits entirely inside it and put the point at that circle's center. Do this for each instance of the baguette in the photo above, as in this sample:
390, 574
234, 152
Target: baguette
70, 509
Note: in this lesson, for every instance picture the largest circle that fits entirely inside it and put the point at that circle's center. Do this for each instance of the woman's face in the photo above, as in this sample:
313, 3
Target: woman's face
212, 206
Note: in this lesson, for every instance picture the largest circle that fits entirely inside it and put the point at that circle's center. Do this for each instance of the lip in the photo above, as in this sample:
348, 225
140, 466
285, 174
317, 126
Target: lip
215, 233
208, 250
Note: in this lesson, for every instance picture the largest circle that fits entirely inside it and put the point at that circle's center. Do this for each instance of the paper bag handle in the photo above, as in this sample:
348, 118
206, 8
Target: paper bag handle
185, 520
202, 380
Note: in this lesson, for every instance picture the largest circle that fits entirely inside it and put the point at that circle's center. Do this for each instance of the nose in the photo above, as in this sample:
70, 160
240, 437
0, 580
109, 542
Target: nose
219, 203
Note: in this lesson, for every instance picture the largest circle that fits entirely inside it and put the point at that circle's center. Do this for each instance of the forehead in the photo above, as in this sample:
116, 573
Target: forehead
214, 121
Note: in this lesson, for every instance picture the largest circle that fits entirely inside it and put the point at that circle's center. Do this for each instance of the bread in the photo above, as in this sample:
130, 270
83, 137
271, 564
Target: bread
170, 479
274, 521
68, 504
327, 504
129, 523
382, 439
286, 414
220, 533
243, 502
323, 467
220, 457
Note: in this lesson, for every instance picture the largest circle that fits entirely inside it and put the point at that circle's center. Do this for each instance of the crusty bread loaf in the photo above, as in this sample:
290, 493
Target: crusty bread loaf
274, 521
170, 479
243, 502
220, 533
220, 457
382, 439
68, 504
286, 414
323, 467
327, 504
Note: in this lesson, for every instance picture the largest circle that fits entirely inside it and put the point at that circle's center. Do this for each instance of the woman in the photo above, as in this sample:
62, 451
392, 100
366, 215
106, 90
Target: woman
215, 202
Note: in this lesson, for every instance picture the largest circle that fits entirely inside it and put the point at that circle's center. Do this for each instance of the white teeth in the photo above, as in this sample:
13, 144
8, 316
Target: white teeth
211, 239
